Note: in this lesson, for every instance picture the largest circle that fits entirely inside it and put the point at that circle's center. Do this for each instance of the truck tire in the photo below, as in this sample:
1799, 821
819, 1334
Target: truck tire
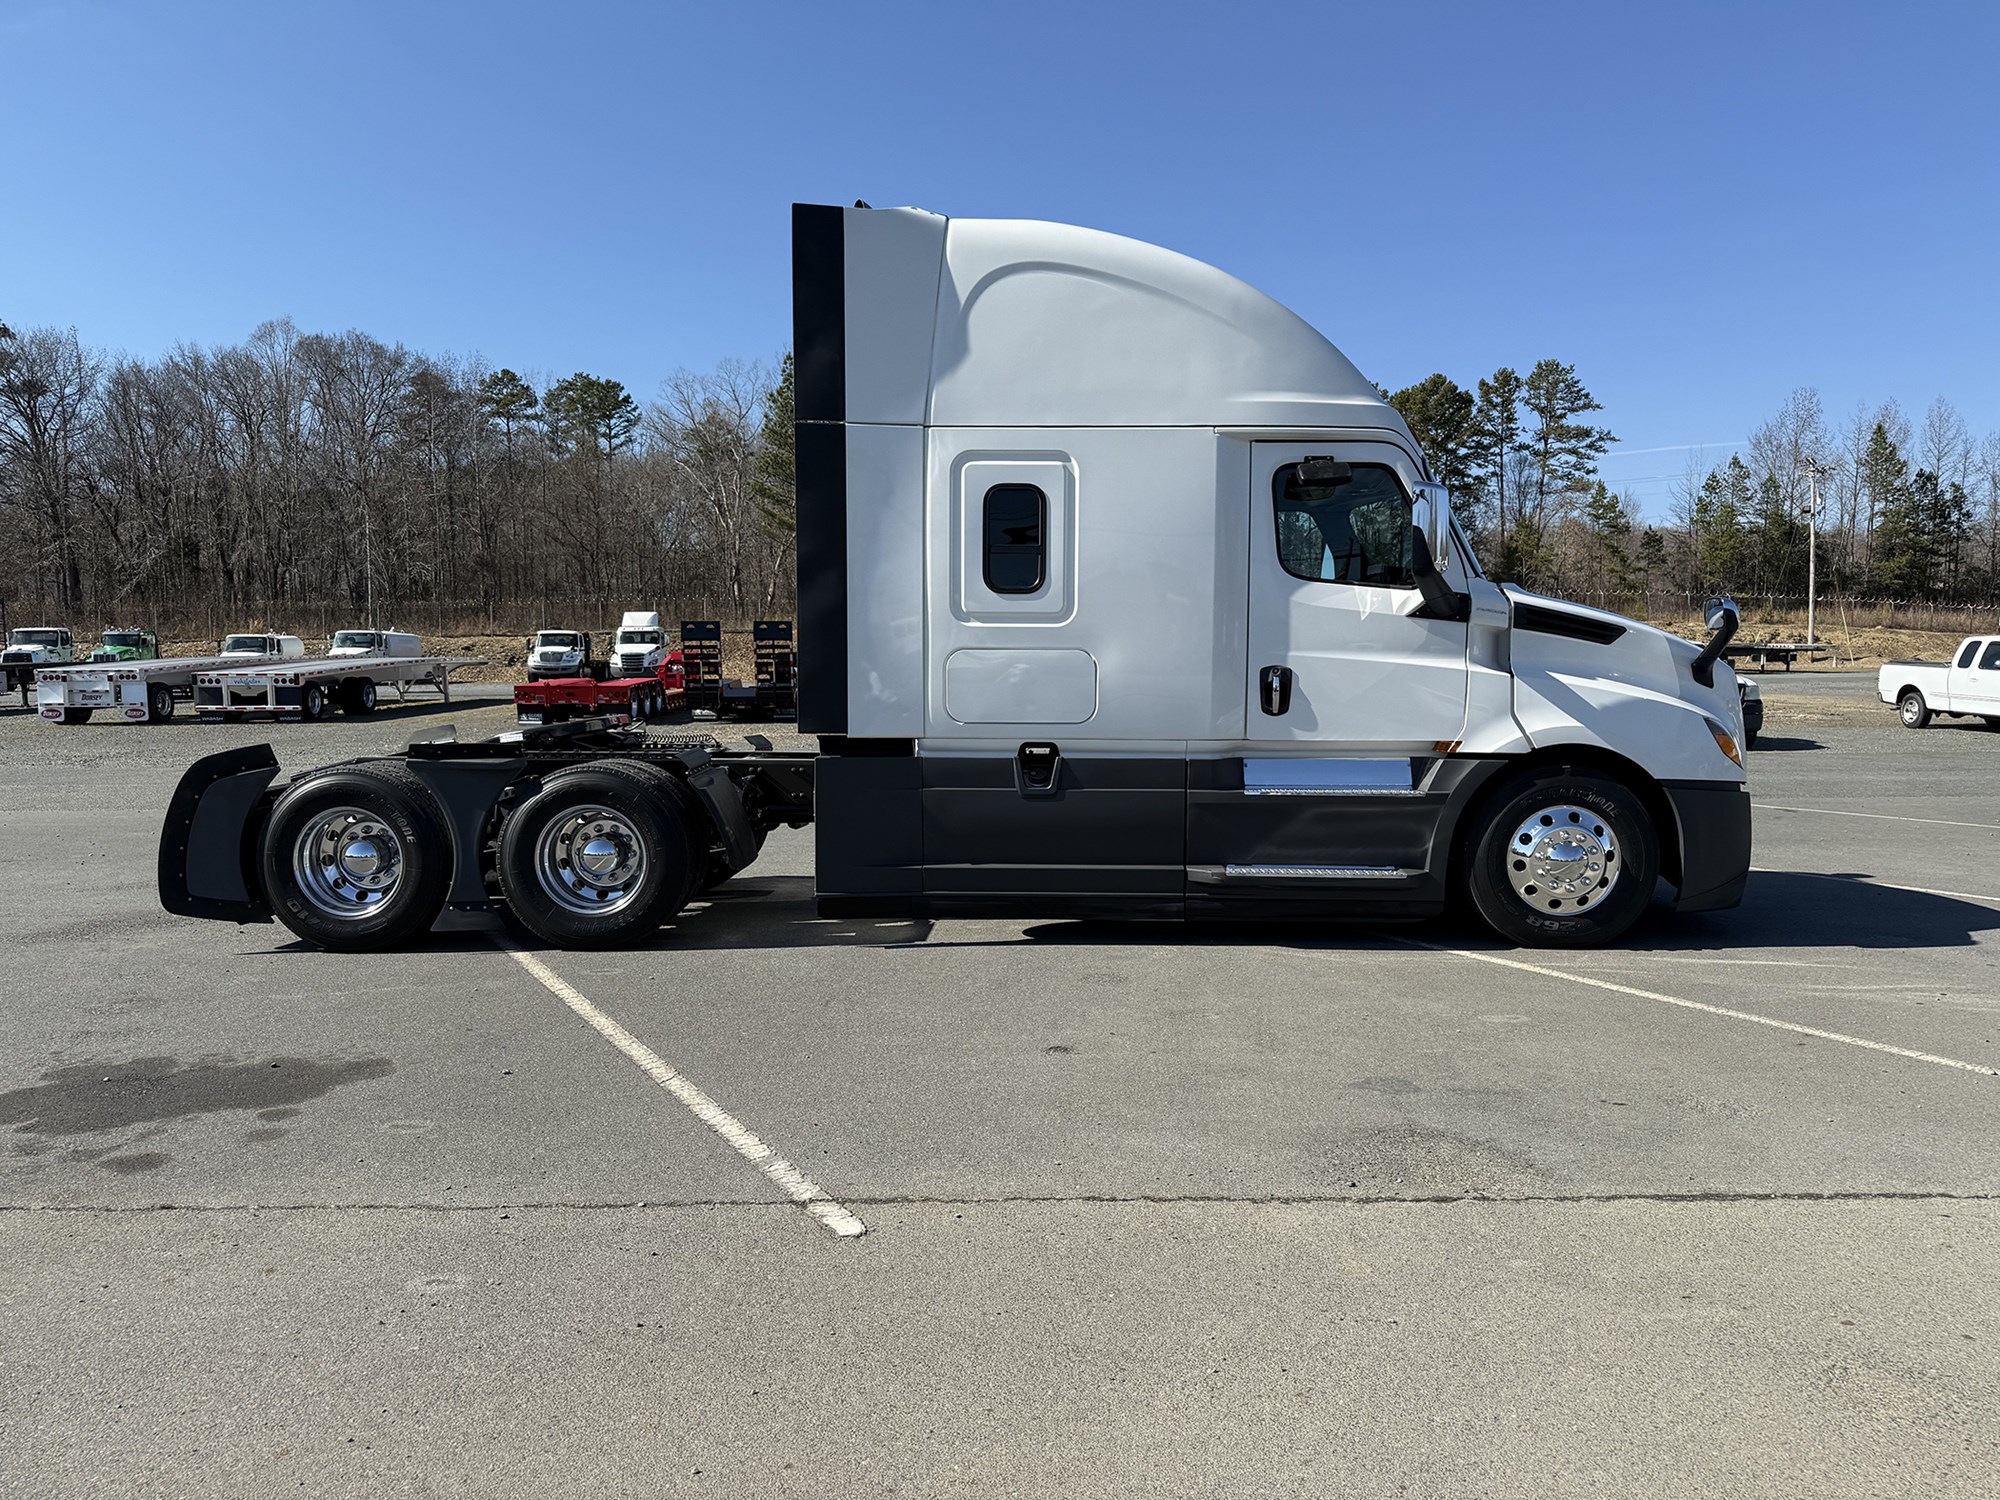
1915, 713
602, 854
77, 715
312, 703
159, 703
1562, 859
357, 696
356, 859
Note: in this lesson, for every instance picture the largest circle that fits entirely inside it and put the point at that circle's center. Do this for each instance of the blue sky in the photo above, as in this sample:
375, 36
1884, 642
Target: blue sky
1700, 206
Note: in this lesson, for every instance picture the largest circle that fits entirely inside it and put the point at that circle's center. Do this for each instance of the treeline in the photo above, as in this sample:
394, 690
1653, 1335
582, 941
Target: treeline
311, 480
1907, 511
308, 479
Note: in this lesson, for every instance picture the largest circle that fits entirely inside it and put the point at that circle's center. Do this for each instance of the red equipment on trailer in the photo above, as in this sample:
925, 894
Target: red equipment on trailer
554, 699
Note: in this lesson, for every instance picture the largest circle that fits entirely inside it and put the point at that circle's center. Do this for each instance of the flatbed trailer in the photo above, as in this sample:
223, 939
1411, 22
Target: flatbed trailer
307, 690
145, 692
1782, 652
556, 700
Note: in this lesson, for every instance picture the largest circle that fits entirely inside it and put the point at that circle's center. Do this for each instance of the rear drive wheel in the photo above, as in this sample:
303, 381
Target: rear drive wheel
159, 703
1915, 712
357, 696
77, 715
355, 860
312, 702
1563, 859
602, 854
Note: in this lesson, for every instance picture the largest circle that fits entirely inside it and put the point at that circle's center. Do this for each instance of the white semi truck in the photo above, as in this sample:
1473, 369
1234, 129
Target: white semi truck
640, 644
31, 648
147, 692
1122, 593
563, 653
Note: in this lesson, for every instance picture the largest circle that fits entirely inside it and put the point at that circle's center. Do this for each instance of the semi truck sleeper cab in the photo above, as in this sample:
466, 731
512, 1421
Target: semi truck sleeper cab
1121, 593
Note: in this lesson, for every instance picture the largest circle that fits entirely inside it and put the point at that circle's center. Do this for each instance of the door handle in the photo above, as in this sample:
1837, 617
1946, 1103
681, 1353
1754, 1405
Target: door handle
1274, 689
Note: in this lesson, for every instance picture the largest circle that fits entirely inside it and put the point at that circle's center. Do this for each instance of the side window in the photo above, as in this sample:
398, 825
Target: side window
1354, 532
1015, 525
1991, 659
1965, 657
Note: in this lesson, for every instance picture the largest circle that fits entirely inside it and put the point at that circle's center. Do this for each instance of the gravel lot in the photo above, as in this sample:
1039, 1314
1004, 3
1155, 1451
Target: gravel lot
1149, 1211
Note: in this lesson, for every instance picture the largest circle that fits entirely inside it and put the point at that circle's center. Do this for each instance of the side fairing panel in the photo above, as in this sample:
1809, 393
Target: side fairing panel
892, 261
885, 582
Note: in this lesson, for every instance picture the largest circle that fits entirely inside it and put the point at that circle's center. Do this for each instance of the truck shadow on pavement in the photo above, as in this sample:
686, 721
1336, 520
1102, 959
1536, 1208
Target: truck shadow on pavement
1781, 909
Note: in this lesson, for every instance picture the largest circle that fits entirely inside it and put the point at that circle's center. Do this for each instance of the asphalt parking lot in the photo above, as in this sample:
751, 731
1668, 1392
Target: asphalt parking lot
1147, 1211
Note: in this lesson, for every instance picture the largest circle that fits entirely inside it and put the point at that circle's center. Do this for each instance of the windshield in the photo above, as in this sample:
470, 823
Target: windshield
37, 638
246, 643
353, 639
564, 638
123, 638
638, 637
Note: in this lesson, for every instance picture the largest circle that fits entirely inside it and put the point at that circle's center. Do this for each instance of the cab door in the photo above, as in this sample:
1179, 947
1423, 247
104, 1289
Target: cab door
1354, 695
1341, 653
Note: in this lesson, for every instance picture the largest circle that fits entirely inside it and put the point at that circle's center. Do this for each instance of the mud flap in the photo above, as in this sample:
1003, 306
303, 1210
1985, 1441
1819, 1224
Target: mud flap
207, 864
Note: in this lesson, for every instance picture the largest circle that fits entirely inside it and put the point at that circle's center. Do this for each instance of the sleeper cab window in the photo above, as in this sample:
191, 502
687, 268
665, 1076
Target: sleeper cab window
1351, 525
1016, 524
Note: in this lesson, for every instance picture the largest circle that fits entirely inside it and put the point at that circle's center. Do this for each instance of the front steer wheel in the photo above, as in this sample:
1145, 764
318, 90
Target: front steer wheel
1562, 859
602, 854
356, 859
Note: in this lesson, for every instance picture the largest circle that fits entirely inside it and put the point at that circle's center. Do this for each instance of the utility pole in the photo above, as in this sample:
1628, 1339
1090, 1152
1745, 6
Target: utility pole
1812, 468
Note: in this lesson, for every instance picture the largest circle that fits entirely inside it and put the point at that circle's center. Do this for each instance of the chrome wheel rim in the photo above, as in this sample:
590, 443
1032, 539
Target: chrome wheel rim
590, 859
1563, 859
1912, 708
348, 863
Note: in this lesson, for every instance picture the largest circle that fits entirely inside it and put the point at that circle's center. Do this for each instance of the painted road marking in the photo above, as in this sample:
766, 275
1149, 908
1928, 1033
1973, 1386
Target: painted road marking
1921, 890
1841, 812
793, 1183
1713, 1010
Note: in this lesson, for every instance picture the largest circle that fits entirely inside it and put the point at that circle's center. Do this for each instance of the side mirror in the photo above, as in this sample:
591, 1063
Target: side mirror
1723, 617
1434, 516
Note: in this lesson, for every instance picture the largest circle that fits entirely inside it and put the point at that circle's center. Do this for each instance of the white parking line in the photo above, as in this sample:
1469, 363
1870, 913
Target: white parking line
1921, 890
1841, 812
1713, 1010
795, 1185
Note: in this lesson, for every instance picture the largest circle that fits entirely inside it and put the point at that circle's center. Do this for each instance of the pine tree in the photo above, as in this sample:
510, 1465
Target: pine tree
1440, 412
774, 478
594, 410
1610, 534
1494, 436
1566, 452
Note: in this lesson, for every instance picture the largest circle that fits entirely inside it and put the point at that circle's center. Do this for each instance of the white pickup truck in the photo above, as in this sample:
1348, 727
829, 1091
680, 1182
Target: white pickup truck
1966, 686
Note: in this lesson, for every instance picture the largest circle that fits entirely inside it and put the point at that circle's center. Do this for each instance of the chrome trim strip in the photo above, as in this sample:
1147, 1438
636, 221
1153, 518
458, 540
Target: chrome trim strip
1330, 791
1314, 872
1329, 777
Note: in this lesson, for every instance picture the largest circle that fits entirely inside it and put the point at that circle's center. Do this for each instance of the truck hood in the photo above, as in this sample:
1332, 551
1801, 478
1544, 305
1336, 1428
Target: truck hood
1563, 651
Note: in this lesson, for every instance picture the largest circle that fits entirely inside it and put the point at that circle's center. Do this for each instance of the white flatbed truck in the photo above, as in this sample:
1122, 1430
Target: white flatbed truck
306, 691
1122, 594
